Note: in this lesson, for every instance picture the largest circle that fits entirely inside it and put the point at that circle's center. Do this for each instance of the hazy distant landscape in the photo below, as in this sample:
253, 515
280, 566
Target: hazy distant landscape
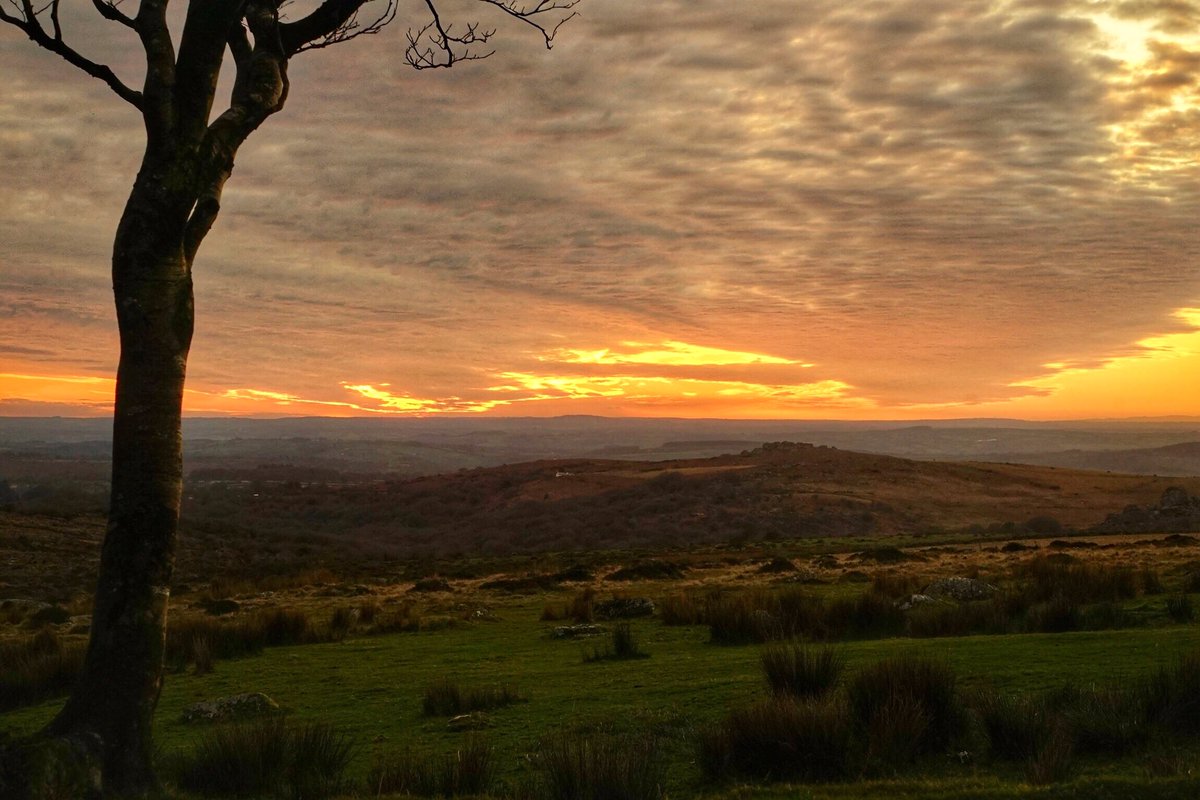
36, 448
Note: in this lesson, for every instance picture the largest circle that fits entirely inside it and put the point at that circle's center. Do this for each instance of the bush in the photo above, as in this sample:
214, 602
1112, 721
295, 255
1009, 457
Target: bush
1105, 721
885, 688
622, 645
1017, 727
268, 758
1055, 616
801, 670
1052, 762
37, 668
447, 698
895, 733
601, 767
780, 738
1179, 608
470, 770
1171, 696
956, 619
682, 608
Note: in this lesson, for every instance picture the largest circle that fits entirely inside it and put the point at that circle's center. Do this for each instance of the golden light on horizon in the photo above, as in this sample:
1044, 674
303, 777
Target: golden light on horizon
668, 353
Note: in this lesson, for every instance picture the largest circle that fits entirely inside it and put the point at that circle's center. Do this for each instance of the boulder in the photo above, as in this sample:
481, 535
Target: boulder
576, 631
234, 707
961, 589
624, 608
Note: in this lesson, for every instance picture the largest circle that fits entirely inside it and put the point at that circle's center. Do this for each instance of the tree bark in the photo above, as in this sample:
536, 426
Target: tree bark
122, 675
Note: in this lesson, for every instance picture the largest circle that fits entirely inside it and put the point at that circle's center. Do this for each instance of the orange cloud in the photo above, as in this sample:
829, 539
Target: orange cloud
667, 354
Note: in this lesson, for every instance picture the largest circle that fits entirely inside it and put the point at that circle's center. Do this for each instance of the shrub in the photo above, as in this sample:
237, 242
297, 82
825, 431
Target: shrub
622, 644
202, 657
470, 770
1016, 726
1052, 762
682, 608
340, 623
36, 668
884, 687
1151, 582
895, 733
1171, 696
1179, 608
268, 758
801, 670
447, 698
1057, 615
1049, 578
956, 619
601, 767
779, 738
1104, 720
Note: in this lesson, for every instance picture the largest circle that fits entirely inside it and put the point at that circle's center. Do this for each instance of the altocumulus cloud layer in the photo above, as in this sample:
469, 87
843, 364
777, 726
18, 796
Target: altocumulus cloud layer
770, 208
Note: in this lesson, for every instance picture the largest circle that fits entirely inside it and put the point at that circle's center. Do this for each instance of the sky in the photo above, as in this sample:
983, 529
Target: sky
890, 209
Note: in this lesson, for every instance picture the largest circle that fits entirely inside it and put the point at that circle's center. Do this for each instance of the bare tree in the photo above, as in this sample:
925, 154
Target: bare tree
189, 155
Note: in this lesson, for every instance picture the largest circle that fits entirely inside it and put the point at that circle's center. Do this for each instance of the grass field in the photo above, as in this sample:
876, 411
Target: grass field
371, 689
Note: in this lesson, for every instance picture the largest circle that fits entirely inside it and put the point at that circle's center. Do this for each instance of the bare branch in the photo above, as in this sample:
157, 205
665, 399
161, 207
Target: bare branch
435, 45
333, 22
110, 11
26, 17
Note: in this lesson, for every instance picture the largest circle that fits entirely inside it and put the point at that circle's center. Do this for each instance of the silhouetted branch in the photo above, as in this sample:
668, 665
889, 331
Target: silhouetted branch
109, 10
341, 24
434, 45
26, 17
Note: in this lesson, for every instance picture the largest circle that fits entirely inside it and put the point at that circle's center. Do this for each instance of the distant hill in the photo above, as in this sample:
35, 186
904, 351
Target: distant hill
777, 491
237, 524
1173, 459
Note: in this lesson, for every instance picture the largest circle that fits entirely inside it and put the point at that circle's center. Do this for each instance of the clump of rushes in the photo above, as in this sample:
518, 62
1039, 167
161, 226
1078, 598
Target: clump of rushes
447, 698
801, 670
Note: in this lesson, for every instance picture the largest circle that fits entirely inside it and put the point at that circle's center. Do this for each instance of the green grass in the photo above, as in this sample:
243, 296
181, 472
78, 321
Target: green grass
371, 688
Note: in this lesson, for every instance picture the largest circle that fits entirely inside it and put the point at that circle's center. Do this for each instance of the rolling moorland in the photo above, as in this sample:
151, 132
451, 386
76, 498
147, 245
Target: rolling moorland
785, 621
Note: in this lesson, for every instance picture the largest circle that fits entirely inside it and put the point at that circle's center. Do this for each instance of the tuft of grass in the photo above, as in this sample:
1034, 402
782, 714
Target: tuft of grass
801, 670
905, 683
1179, 608
597, 767
469, 770
1052, 763
202, 658
446, 698
1017, 726
268, 758
1170, 697
780, 738
622, 645
36, 668
896, 733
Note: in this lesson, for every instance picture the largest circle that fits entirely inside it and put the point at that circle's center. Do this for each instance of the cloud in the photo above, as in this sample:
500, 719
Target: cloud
927, 199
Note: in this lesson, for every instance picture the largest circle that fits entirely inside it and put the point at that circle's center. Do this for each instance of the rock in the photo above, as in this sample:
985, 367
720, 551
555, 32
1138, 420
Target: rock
238, 706
1176, 512
468, 722
915, 600
576, 631
1014, 547
961, 589
624, 608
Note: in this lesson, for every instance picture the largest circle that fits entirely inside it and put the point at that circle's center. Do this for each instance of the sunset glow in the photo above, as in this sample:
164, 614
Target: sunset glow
892, 211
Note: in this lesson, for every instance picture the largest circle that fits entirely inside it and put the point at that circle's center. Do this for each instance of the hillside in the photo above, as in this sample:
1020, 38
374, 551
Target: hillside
780, 491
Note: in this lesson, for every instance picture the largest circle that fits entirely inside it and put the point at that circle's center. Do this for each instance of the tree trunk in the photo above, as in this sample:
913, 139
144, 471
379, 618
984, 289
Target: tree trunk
122, 674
